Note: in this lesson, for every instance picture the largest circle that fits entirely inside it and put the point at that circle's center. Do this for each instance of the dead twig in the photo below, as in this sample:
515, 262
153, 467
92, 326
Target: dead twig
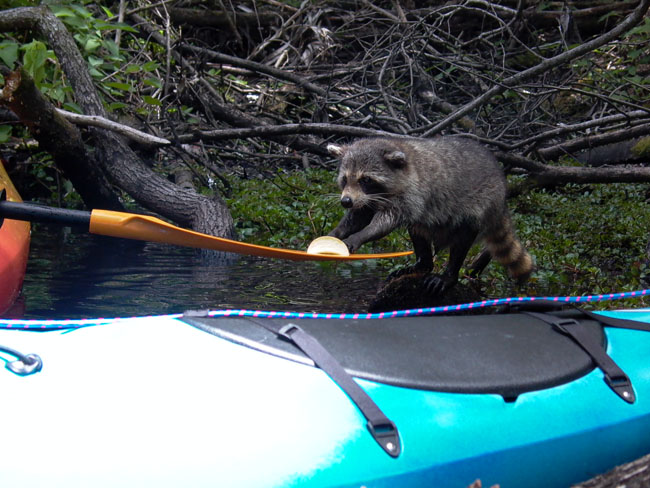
104, 123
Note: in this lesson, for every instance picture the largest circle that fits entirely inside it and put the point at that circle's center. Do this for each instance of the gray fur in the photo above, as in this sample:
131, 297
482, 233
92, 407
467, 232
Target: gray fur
446, 191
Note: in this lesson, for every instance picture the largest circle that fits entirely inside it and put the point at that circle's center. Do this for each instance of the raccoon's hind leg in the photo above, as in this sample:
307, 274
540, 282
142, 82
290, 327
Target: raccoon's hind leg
423, 255
463, 238
480, 263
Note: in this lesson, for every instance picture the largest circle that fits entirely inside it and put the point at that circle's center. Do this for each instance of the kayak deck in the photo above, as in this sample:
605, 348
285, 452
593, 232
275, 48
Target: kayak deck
505, 354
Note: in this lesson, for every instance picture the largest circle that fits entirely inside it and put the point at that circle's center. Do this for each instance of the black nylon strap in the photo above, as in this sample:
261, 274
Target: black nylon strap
381, 427
616, 322
550, 305
615, 377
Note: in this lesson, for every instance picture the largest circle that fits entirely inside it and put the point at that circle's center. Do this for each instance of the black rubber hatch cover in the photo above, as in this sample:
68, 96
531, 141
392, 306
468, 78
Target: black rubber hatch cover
506, 354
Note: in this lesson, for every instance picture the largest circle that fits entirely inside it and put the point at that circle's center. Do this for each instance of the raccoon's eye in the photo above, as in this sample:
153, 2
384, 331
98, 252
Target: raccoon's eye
365, 181
343, 181
368, 185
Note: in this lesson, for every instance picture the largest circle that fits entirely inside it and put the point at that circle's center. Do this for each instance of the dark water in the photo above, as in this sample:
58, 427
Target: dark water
78, 275
75, 275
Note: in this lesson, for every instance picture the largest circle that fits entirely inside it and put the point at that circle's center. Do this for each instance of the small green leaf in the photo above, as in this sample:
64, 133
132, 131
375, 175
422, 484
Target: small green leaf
124, 27
94, 61
643, 28
72, 107
155, 82
119, 86
55, 92
107, 12
116, 106
81, 11
67, 187
112, 48
75, 21
5, 133
152, 100
62, 12
150, 66
92, 44
8, 53
34, 59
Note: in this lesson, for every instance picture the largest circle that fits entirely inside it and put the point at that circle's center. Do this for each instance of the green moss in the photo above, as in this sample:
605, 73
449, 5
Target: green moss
642, 148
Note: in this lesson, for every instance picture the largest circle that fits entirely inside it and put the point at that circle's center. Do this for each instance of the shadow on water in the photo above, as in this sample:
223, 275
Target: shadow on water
74, 275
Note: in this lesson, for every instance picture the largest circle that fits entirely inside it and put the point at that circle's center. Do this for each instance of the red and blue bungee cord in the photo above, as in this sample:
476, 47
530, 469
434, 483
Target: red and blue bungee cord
67, 324
430, 310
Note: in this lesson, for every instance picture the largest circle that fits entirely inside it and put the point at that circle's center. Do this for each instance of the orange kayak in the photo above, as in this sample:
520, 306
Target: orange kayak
14, 247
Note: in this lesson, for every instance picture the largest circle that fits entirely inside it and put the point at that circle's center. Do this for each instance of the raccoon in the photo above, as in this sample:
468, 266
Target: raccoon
448, 192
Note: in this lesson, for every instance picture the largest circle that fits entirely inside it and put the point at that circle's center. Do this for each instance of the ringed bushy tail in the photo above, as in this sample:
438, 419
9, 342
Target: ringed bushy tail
506, 249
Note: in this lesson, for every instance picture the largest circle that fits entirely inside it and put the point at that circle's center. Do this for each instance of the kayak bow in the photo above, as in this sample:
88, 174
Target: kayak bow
14, 247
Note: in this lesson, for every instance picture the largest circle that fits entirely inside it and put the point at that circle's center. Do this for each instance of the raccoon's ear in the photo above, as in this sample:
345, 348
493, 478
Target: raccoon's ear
397, 159
337, 151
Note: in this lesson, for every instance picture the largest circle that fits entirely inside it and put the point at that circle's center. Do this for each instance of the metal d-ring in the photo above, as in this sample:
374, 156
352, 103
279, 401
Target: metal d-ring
25, 364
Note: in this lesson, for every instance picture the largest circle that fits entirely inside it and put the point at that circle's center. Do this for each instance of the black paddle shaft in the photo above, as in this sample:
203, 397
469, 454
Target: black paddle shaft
37, 213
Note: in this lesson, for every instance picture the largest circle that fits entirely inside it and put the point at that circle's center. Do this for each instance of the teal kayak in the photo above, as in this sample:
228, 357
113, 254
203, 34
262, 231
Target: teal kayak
218, 399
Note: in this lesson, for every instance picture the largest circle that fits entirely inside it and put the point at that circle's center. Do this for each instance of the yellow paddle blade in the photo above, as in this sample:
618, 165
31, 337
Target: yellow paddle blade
145, 228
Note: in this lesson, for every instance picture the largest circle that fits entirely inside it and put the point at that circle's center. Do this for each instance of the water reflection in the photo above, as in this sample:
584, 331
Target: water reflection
73, 275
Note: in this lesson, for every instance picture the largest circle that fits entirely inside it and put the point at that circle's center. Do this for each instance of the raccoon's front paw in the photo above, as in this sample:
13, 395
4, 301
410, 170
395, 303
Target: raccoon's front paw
338, 233
353, 244
438, 284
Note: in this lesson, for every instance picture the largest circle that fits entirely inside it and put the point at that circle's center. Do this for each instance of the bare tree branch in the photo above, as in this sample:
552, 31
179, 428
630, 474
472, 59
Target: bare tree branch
545, 174
572, 128
574, 145
269, 131
125, 130
257, 67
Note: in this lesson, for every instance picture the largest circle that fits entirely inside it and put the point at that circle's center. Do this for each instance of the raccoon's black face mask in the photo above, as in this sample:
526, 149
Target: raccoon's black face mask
367, 174
366, 184
370, 186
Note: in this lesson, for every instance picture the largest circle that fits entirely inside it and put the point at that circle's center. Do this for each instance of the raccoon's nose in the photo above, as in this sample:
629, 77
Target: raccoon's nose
346, 202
